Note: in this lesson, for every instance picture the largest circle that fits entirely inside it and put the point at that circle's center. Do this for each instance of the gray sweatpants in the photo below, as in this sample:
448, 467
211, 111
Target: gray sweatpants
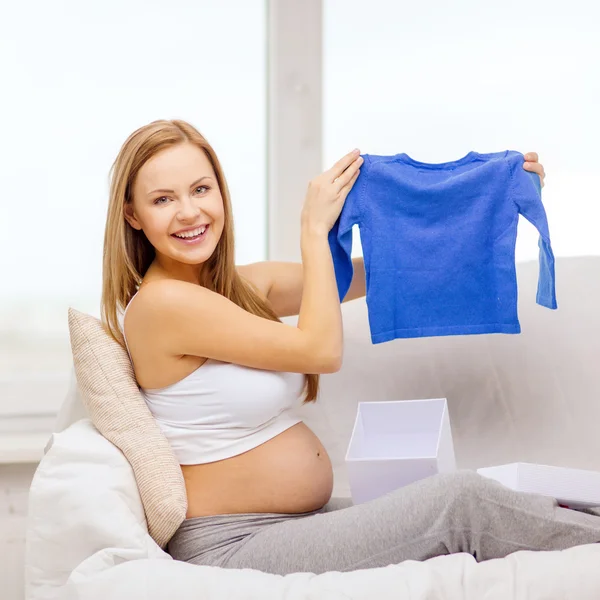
443, 514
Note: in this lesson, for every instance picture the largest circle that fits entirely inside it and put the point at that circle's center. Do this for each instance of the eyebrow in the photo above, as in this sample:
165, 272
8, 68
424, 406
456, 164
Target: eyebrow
173, 191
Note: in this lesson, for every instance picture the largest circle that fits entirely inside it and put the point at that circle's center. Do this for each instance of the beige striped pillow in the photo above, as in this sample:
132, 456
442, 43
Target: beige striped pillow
110, 393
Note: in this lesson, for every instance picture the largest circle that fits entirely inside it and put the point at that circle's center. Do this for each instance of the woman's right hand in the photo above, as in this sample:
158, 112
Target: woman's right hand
327, 193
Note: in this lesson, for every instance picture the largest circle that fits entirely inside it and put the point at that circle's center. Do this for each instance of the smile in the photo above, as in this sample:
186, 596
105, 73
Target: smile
192, 236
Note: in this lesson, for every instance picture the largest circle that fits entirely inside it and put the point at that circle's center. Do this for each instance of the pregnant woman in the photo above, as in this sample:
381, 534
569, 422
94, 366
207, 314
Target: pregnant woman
220, 373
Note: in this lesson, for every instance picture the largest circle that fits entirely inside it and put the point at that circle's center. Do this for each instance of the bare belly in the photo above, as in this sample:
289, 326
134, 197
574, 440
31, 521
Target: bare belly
290, 473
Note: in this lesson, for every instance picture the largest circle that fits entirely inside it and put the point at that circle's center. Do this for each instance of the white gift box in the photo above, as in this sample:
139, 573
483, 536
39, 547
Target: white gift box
574, 488
395, 443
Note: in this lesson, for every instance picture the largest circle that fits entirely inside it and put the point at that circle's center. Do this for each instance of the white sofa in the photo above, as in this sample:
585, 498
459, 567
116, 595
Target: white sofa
529, 397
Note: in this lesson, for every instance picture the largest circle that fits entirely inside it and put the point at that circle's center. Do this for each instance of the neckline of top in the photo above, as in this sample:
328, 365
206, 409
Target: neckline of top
470, 157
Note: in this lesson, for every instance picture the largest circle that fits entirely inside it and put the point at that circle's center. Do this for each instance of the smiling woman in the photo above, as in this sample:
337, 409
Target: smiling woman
218, 370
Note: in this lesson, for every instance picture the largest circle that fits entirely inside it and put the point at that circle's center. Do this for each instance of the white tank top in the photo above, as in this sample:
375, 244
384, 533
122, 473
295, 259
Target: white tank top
222, 409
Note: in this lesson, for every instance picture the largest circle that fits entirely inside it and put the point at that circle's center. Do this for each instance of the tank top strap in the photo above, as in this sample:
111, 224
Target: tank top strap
123, 324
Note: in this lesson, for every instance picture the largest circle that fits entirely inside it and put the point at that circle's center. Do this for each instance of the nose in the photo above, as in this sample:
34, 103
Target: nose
188, 209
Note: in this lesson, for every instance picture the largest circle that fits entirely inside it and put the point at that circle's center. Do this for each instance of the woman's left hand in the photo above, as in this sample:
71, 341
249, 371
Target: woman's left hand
534, 166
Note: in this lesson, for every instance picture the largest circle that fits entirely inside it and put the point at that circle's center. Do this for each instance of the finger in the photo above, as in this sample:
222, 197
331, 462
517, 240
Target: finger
342, 164
532, 156
533, 166
348, 174
346, 189
536, 168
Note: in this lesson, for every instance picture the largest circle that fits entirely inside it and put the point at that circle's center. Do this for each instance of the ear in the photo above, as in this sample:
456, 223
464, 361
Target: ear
130, 216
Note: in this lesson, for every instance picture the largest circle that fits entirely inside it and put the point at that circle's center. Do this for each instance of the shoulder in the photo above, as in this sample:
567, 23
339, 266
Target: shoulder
158, 290
160, 298
156, 297
162, 308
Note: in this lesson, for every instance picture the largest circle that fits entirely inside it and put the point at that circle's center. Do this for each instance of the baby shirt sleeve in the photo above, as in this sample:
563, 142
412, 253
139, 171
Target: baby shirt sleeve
340, 236
526, 192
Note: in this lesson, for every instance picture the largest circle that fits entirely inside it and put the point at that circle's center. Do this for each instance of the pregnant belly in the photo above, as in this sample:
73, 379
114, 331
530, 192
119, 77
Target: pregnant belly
290, 473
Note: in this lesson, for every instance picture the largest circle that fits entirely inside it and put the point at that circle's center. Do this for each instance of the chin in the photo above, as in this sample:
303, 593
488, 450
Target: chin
194, 259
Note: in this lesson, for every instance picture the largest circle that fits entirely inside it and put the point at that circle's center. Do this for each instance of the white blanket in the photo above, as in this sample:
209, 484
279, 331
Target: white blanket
96, 547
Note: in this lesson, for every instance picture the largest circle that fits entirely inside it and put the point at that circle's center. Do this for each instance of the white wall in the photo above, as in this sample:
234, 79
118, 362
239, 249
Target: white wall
438, 79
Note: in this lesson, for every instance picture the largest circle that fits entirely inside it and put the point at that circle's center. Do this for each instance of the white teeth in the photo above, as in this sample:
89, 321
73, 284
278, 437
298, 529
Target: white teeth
192, 233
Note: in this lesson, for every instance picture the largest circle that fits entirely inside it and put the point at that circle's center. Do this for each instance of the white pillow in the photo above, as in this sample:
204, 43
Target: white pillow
83, 498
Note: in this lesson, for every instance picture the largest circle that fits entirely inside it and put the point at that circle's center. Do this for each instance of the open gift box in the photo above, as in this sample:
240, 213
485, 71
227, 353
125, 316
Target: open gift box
572, 488
395, 443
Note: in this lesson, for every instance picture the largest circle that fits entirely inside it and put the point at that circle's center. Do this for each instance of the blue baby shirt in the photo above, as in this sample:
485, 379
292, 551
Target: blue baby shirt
439, 243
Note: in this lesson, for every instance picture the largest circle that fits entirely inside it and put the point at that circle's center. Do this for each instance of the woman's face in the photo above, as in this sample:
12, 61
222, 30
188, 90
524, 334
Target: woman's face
178, 205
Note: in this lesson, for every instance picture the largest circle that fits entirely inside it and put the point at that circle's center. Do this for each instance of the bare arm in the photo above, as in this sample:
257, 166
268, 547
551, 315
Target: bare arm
281, 283
192, 320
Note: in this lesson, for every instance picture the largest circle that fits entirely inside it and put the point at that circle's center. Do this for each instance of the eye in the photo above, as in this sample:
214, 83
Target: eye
202, 187
158, 200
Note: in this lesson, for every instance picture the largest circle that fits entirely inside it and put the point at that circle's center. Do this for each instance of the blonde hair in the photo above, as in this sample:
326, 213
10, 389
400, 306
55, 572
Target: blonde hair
128, 253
